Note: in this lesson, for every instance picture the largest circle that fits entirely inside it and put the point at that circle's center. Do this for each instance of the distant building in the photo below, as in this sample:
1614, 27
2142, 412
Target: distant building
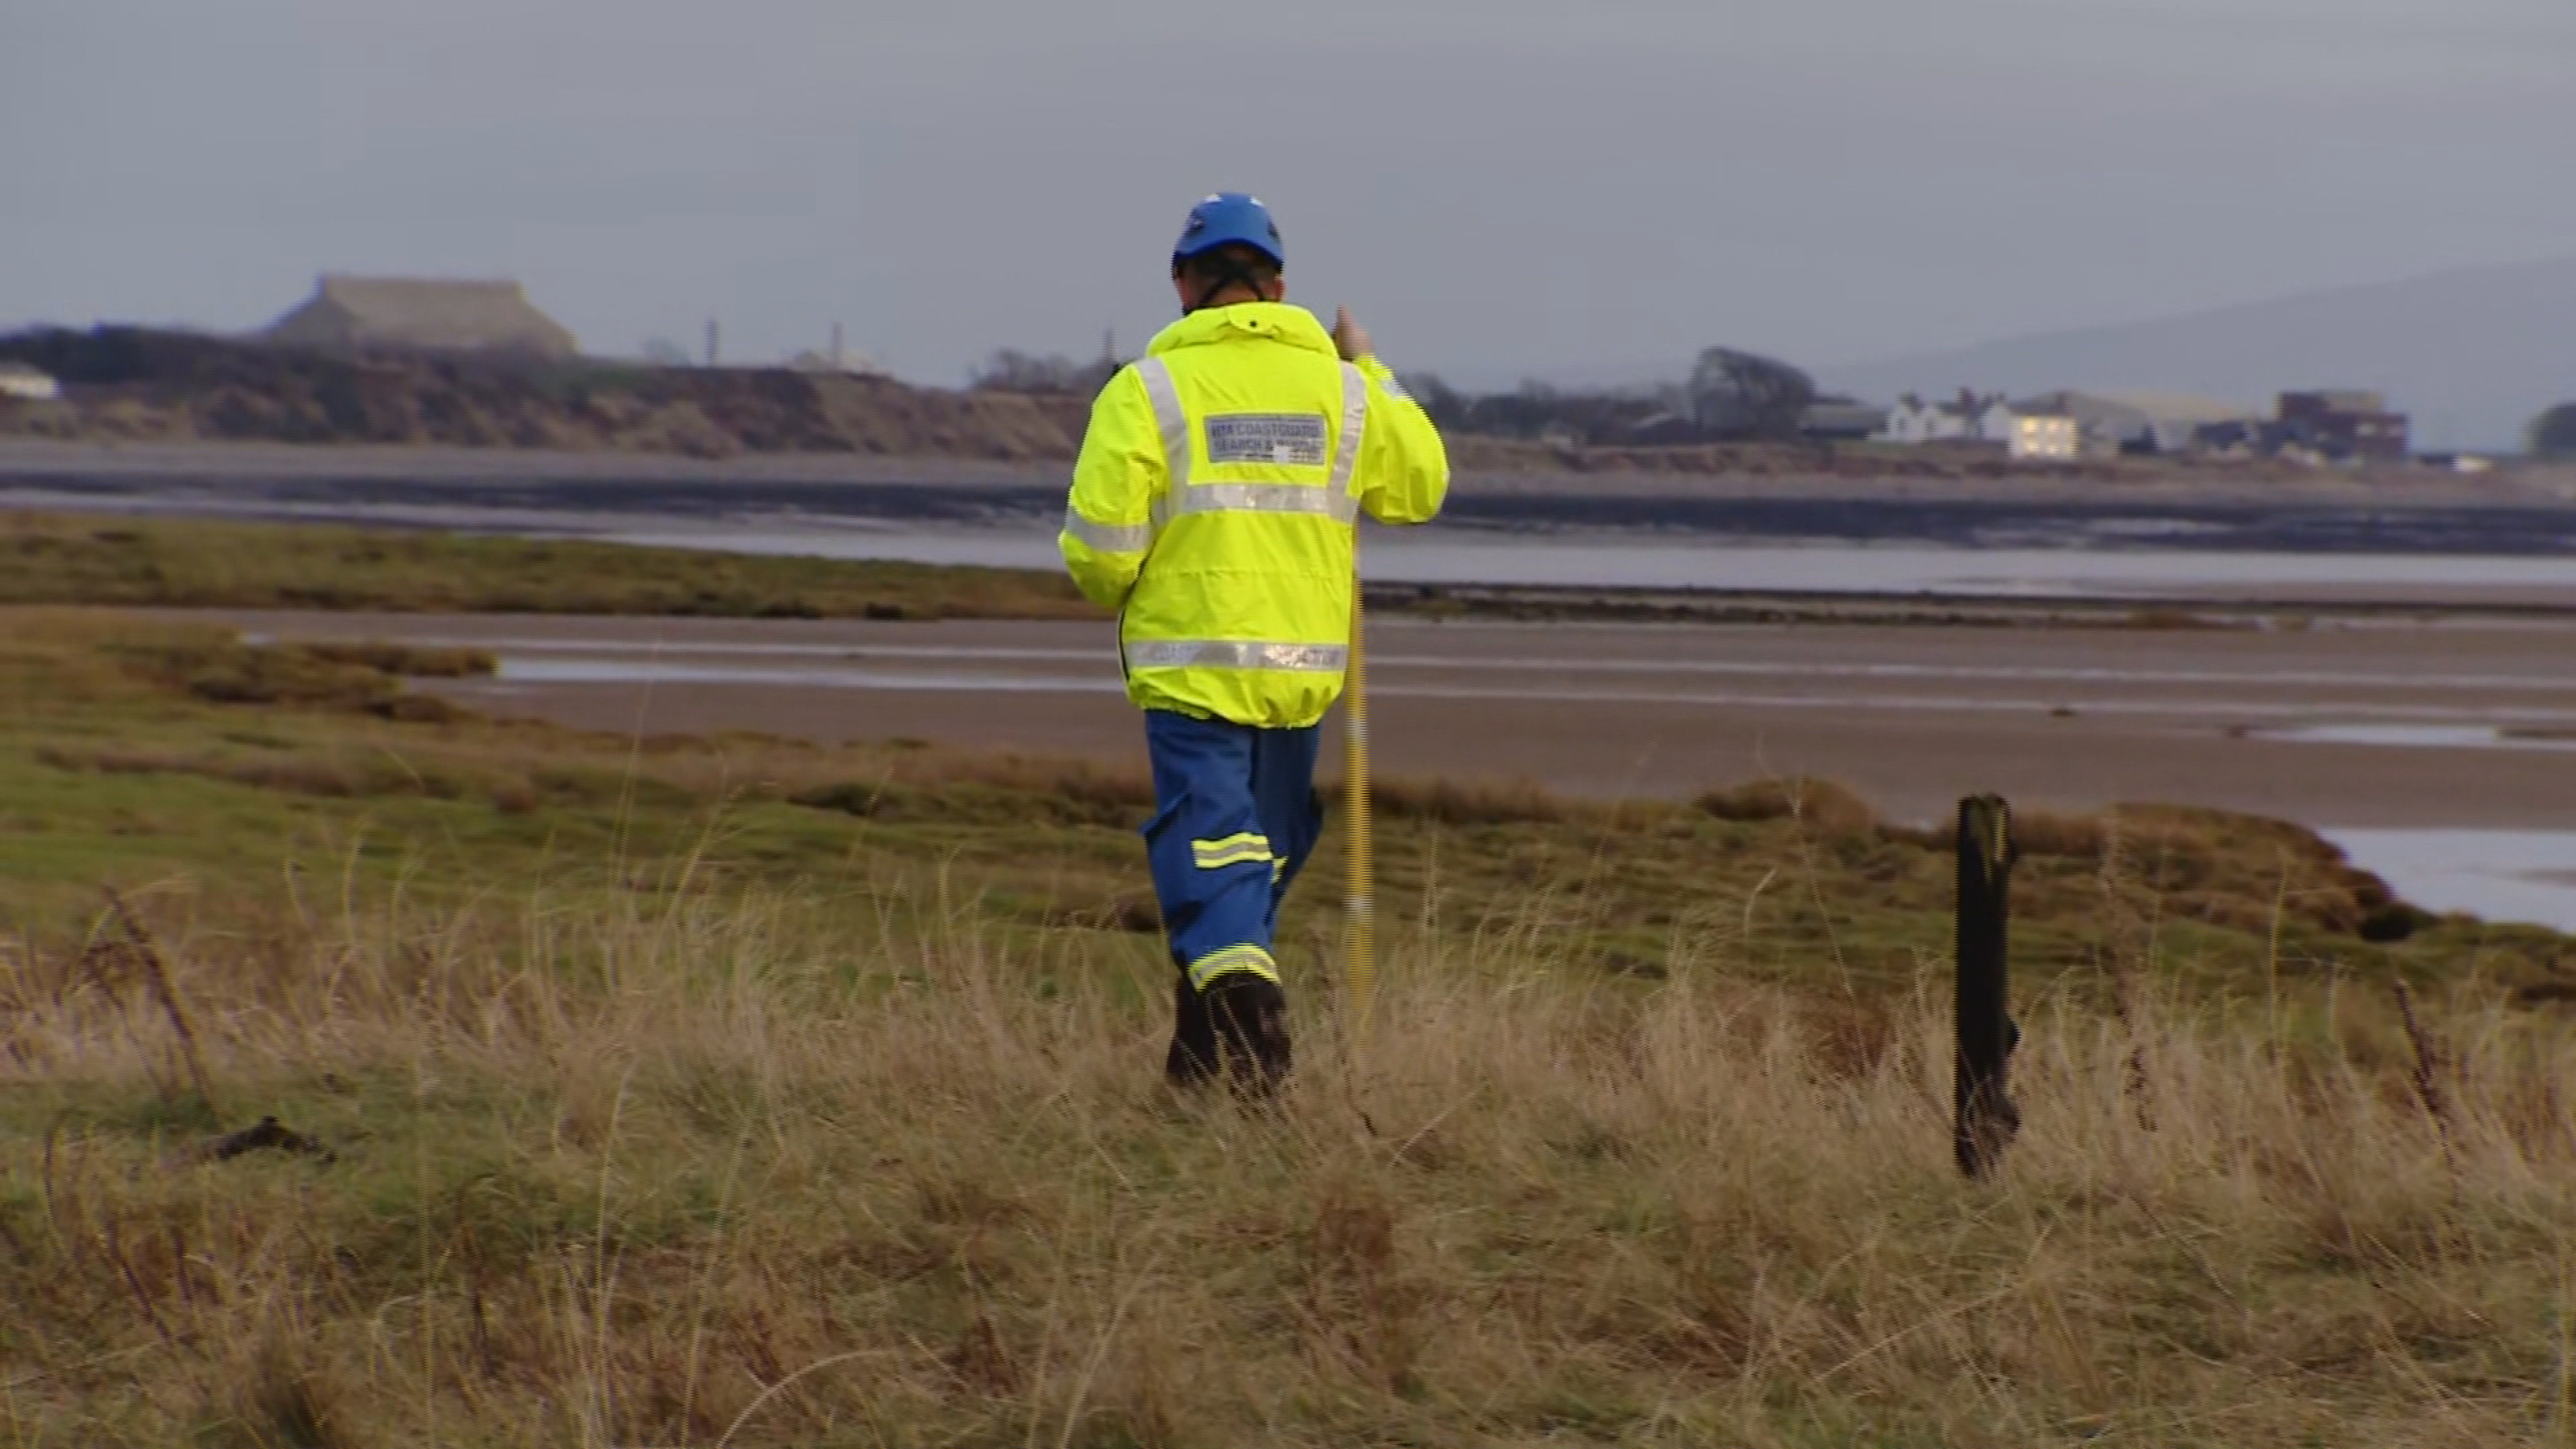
432, 314
2344, 424
2137, 422
1842, 422
1965, 418
18, 380
1913, 420
2237, 438
2027, 431
2046, 438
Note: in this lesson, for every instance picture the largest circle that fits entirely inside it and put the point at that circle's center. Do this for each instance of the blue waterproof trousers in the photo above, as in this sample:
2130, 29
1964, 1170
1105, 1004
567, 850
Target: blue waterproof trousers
1235, 818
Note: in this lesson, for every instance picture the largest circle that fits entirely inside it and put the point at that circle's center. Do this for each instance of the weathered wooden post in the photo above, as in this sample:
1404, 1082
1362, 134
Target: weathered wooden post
1986, 1118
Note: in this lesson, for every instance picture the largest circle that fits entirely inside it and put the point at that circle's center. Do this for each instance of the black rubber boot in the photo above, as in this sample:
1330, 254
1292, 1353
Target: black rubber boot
1251, 1017
1192, 1059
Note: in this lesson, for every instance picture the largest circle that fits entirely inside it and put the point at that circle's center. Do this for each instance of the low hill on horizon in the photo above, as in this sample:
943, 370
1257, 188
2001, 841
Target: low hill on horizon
143, 385
136, 384
2473, 353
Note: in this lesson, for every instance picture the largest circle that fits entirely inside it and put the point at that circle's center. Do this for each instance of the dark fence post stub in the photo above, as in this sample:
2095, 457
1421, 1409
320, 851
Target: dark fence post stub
1986, 1118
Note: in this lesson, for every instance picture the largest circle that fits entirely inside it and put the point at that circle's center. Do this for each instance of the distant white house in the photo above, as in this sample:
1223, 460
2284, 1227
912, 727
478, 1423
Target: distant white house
1914, 420
19, 380
1967, 418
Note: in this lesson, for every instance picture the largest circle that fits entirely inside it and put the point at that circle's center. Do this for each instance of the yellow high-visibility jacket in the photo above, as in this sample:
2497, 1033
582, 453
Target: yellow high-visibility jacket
1215, 503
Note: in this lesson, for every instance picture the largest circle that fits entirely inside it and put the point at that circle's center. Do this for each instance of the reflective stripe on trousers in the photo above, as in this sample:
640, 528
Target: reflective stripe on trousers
1221, 788
1245, 849
1251, 960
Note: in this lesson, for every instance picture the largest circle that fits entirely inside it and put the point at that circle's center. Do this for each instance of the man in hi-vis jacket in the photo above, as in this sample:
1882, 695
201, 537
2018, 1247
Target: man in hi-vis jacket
1214, 507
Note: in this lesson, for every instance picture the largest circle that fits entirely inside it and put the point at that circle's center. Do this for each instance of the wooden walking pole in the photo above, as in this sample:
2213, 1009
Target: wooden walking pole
1986, 1119
1359, 931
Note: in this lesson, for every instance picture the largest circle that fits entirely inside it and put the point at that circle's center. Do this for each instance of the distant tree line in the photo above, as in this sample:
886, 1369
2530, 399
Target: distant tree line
1537, 410
1729, 396
2553, 433
1011, 370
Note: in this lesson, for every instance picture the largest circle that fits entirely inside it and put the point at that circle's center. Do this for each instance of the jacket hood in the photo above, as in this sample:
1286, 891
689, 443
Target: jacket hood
1270, 321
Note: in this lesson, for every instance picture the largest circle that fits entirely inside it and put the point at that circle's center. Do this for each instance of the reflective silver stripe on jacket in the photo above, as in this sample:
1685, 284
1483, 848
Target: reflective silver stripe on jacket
1169, 418
1263, 498
1346, 459
1236, 654
1109, 537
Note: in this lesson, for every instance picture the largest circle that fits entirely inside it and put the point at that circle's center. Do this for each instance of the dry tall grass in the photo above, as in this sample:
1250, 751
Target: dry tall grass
688, 1170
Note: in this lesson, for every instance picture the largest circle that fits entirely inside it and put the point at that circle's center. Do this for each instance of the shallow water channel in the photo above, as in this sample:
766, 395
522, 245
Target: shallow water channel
1463, 557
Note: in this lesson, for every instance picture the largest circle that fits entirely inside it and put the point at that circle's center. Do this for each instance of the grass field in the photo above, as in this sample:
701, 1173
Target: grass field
198, 564
731, 1091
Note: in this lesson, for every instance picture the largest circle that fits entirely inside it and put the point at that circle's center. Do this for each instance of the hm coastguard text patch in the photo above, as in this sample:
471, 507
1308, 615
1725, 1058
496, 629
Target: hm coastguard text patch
1294, 439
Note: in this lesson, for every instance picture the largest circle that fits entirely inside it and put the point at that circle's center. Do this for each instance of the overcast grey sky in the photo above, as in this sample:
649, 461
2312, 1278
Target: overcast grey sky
1498, 186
